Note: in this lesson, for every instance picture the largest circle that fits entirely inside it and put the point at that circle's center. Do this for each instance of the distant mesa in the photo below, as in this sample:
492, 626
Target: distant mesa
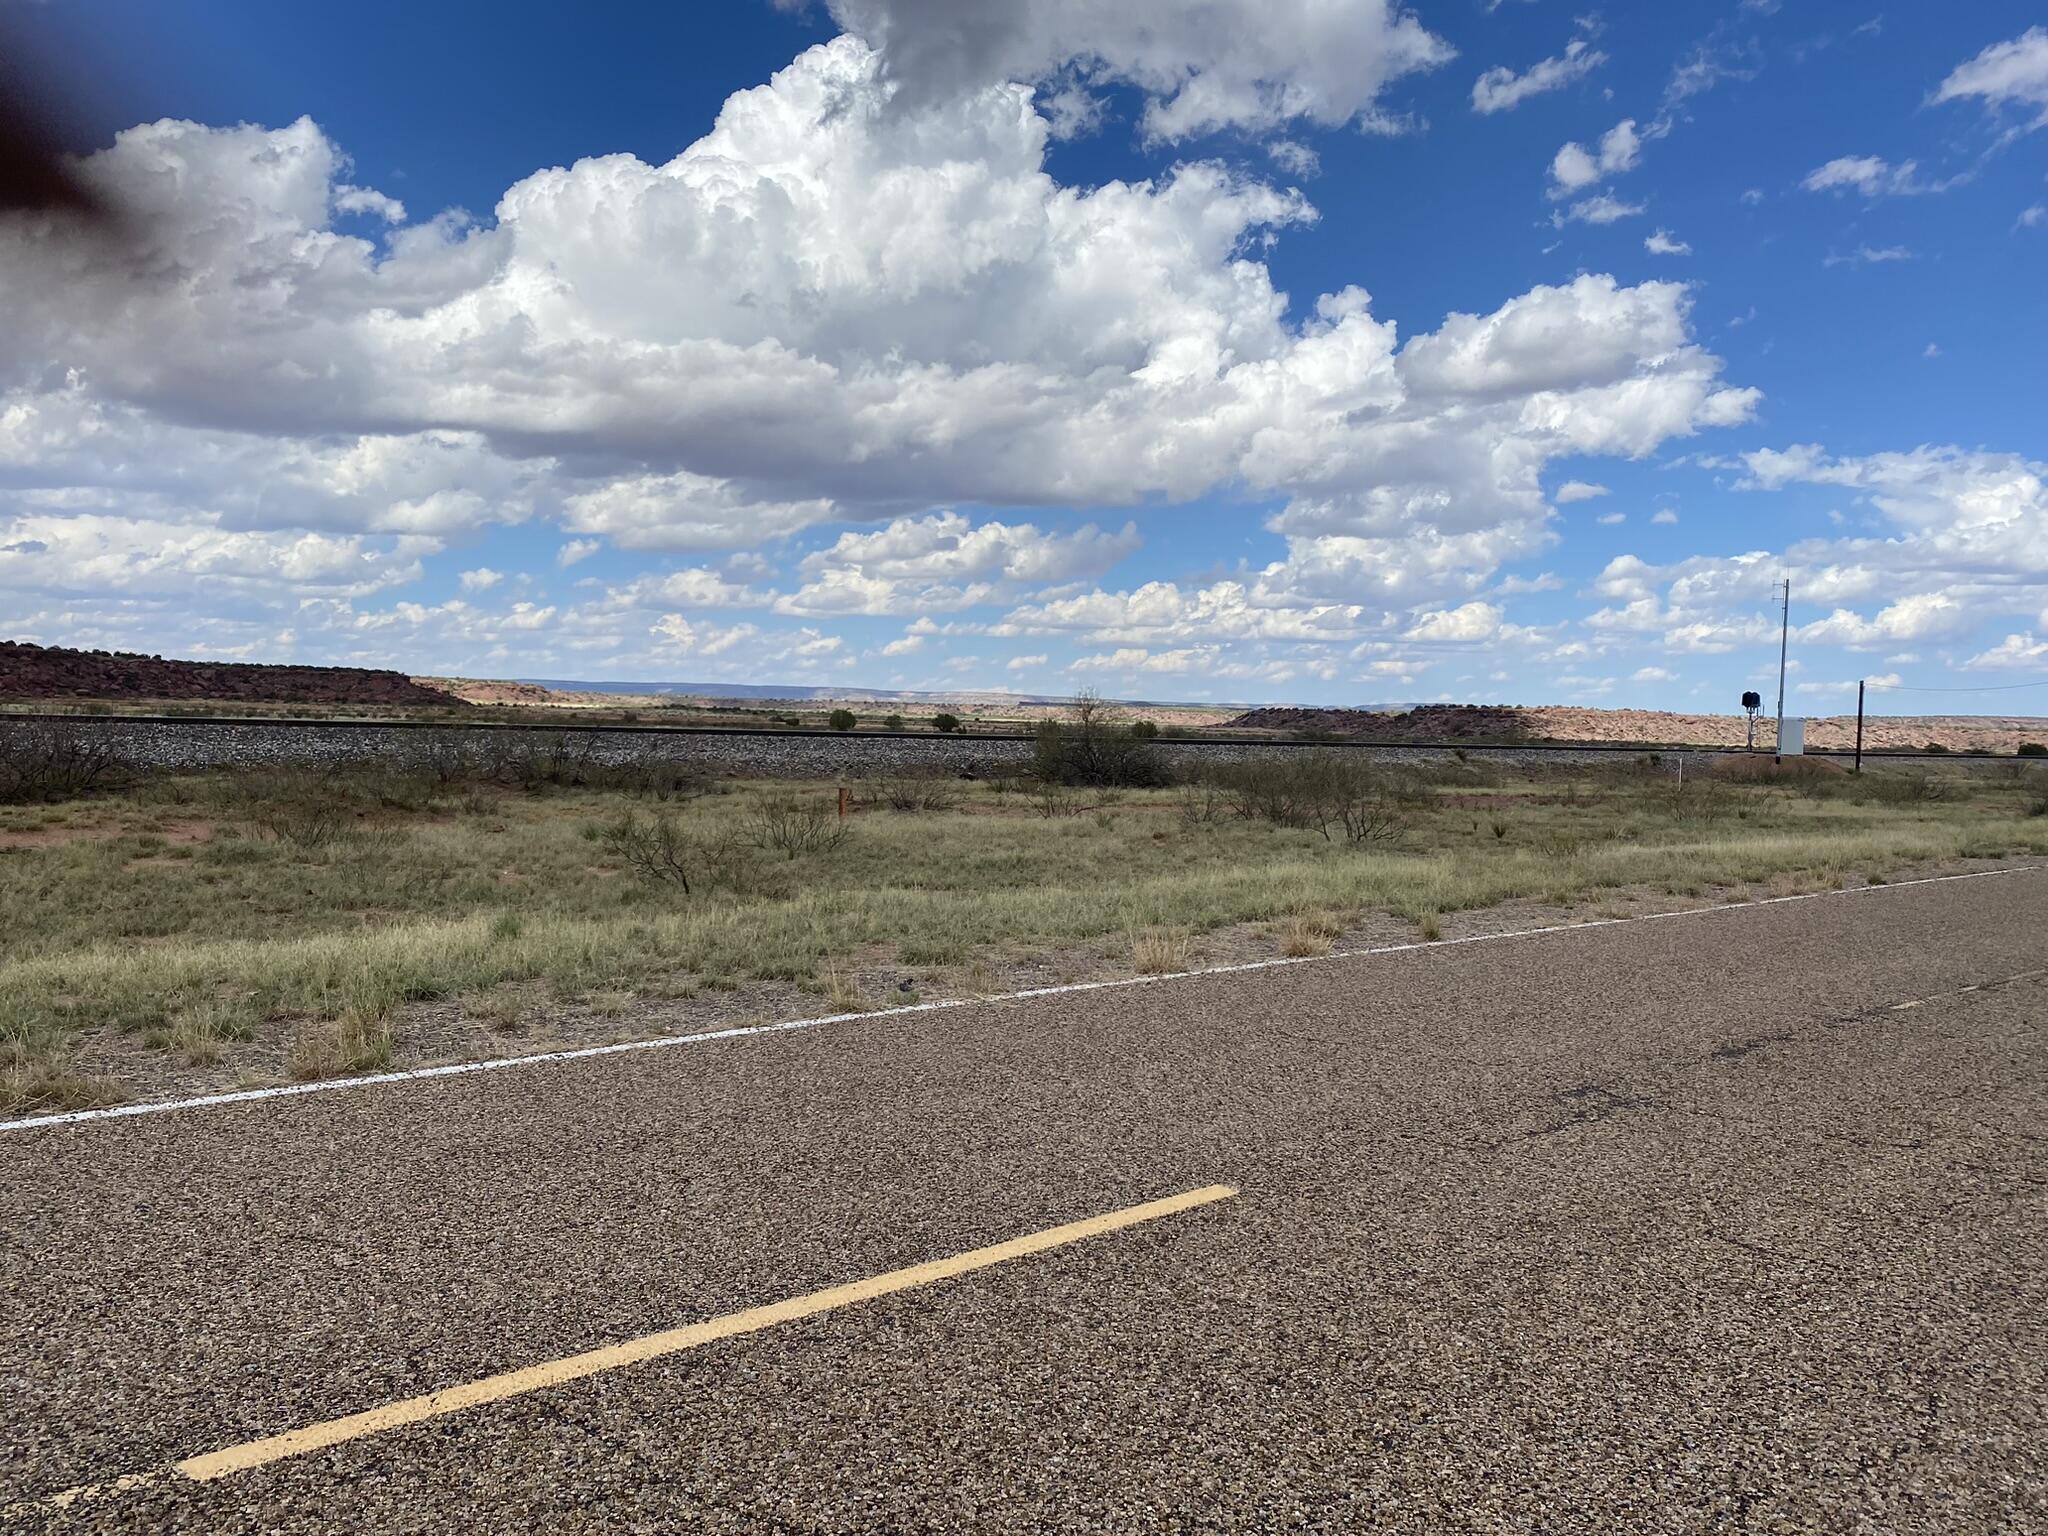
29, 672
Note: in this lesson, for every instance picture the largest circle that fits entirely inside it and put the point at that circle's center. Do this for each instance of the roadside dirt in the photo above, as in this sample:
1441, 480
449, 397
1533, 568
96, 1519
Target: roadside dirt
523, 1021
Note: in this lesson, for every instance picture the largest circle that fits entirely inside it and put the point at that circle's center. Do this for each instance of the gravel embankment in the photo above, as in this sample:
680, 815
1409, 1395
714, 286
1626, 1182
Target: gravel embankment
206, 744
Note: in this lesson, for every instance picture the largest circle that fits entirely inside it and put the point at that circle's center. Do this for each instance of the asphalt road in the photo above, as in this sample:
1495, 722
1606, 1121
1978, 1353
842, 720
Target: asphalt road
1678, 1225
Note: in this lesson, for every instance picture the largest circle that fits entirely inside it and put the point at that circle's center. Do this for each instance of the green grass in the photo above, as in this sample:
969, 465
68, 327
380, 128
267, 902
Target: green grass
186, 915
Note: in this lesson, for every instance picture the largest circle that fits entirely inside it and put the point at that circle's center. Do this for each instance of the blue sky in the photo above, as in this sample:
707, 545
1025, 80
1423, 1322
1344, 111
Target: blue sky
1259, 349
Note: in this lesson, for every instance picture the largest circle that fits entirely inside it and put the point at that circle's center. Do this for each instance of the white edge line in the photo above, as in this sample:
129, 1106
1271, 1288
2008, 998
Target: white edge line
502, 1063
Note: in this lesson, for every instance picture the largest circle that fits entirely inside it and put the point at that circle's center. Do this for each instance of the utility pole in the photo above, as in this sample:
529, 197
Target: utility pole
1784, 635
1859, 725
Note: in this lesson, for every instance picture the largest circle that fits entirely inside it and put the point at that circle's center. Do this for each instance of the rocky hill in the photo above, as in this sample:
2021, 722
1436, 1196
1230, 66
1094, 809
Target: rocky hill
1477, 723
31, 672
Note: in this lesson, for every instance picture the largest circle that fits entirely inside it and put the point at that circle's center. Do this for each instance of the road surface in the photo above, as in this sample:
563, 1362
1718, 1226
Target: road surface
1722, 1222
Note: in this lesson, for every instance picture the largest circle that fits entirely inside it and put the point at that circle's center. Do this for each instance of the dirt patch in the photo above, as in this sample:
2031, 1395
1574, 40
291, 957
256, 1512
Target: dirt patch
176, 834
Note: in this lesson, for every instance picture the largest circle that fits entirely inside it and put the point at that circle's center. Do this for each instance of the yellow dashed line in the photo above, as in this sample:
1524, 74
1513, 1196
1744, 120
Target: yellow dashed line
554, 1373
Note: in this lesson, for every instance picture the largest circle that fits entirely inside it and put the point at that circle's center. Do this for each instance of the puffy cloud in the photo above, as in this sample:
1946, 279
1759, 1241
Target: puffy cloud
1577, 490
1652, 675
1870, 176
1250, 64
685, 511
845, 303
1500, 89
1467, 623
482, 579
680, 636
1576, 167
1295, 159
1660, 242
86, 552
2013, 651
1664, 516
943, 561
2012, 73
1919, 617
1969, 537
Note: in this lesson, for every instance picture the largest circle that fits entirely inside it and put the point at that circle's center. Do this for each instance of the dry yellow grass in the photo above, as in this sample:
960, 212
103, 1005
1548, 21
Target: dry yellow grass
354, 1042
1307, 934
1159, 951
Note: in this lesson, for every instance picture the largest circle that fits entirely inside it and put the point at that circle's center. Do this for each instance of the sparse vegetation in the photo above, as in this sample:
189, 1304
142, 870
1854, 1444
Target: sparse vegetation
169, 920
43, 762
945, 723
1159, 952
842, 720
796, 827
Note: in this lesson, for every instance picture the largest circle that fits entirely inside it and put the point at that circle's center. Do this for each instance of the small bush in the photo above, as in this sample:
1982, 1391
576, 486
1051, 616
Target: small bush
654, 848
2031, 749
796, 827
1322, 791
945, 722
302, 807
1093, 747
842, 720
893, 722
1050, 798
1935, 747
1200, 801
42, 762
912, 790
1145, 730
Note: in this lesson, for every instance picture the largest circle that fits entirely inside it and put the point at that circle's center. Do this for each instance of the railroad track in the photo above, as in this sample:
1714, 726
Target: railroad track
783, 733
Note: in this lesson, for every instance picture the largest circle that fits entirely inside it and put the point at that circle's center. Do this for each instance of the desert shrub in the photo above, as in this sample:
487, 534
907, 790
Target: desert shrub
2031, 749
893, 722
945, 722
2038, 805
664, 852
795, 827
1094, 747
1904, 789
1145, 730
842, 720
1333, 793
1200, 800
42, 762
1761, 768
1051, 798
309, 808
915, 790
655, 848
1935, 747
